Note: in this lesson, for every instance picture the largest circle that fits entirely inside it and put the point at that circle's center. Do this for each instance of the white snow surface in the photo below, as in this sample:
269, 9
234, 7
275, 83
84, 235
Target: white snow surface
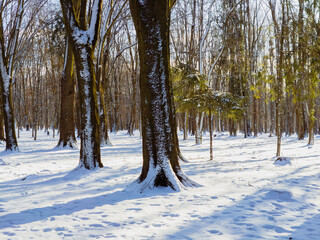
244, 195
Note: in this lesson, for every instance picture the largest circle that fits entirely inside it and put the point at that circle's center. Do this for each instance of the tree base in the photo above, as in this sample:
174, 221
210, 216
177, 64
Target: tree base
11, 150
106, 142
158, 178
67, 145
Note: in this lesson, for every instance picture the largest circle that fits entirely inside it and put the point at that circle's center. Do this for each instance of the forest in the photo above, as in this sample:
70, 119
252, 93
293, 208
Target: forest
237, 66
168, 81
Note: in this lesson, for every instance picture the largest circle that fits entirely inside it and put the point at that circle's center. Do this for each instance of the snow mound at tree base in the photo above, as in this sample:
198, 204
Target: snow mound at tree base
279, 195
282, 161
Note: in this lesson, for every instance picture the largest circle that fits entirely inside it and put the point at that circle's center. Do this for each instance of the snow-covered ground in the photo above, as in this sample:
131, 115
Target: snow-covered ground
244, 194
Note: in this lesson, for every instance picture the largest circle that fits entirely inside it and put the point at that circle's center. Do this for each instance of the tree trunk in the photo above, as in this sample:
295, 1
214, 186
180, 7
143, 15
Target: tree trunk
83, 43
185, 125
67, 121
278, 128
210, 130
2, 138
90, 133
160, 157
101, 76
199, 127
8, 113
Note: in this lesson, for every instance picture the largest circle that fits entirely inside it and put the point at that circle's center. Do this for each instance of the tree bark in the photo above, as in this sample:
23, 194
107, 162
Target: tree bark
67, 104
160, 157
211, 137
83, 41
7, 57
8, 113
101, 76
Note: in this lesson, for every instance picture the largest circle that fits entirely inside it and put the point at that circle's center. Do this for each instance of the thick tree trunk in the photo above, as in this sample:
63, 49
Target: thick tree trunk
160, 157
11, 139
83, 42
90, 132
67, 104
8, 113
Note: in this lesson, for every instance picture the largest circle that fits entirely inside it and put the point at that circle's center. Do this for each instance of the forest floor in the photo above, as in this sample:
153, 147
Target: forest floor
245, 194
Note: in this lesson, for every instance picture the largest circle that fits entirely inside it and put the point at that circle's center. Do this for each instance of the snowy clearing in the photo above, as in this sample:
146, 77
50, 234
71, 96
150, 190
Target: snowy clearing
245, 193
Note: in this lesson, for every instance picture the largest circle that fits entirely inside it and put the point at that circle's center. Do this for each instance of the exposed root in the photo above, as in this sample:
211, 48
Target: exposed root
185, 180
182, 158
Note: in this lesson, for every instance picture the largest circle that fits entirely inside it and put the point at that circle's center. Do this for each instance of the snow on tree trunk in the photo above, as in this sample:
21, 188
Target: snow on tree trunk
90, 137
199, 127
160, 158
83, 41
6, 94
7, 59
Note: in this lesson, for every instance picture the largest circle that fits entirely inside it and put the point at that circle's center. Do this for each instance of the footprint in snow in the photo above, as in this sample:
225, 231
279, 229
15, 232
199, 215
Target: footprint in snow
96, 225
215, 232
170, 215
112, 224
10, 234
270, 218
276, 228
174, 215
156, 225
60, 229
134, 209
278, 206
239, 219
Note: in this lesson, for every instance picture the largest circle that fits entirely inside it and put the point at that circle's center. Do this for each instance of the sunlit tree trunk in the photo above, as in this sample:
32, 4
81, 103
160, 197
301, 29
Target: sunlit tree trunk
160, 157
67, 103
83, 40
7, 58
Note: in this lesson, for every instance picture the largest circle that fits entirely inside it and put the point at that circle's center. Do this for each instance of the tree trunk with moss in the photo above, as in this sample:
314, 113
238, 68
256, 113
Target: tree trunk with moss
160, 157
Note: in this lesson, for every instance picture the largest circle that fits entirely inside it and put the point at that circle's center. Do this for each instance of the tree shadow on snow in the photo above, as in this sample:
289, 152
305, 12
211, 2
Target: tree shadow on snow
13, 220
269, 213
310, 229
